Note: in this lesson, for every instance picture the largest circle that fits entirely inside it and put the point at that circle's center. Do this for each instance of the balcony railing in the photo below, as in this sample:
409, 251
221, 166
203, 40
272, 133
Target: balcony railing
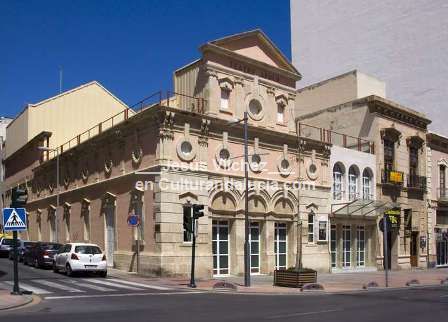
416, 182
392, 177
442, 194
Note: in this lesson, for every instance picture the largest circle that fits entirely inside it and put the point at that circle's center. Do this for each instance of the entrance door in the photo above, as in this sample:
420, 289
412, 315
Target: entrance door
280, 247
220, 245
414, 249
442, 252
109, 217
254, 242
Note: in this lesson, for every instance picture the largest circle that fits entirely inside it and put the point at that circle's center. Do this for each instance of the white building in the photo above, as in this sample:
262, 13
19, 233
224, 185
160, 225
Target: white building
401, 42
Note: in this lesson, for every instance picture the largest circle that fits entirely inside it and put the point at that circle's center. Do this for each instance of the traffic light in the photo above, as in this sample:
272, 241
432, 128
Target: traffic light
19, 196
188, 219
198, 211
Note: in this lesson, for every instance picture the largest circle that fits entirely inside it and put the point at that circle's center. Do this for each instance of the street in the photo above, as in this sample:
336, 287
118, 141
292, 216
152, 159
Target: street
91, 298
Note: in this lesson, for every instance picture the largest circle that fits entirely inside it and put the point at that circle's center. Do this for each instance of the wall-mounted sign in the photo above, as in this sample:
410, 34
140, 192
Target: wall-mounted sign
396, 177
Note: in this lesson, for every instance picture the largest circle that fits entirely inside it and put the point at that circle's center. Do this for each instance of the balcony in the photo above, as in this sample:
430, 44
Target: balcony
442, 195
416, 182
392, 177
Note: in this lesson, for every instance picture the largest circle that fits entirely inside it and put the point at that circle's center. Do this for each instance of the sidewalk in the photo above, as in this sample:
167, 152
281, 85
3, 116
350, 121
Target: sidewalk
336, 282
8, 301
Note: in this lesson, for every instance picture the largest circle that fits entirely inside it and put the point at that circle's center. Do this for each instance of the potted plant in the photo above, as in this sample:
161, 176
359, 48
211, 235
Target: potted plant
294, 277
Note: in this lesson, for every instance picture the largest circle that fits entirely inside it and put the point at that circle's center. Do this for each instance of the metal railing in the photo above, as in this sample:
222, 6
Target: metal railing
416, 182
442, 194
339, 139
172, 99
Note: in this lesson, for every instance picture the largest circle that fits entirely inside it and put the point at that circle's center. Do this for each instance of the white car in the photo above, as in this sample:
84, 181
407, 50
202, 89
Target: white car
80, 257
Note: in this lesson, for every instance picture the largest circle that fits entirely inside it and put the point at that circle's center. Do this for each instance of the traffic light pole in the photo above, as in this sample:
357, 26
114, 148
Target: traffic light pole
16, 288
193, 255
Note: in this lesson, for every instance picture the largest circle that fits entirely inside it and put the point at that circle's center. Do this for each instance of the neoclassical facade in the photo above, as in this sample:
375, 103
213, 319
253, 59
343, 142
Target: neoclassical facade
188, 148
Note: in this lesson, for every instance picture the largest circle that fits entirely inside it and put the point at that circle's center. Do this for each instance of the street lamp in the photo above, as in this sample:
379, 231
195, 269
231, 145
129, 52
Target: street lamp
43, 148
246, 201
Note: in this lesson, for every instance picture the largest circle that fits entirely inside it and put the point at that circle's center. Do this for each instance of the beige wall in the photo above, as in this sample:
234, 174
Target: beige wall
337, 90
65, 115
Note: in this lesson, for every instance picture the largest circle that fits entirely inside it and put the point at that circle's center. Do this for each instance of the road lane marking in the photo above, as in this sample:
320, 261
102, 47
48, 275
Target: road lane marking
155, 287
30, 288
274, 317
113, 284
91, 286
71, 297
58, 286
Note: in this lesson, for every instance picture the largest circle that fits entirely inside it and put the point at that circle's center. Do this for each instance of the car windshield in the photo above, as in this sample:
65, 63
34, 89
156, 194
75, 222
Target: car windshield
28, 244
8, 242
51, 246
90, 250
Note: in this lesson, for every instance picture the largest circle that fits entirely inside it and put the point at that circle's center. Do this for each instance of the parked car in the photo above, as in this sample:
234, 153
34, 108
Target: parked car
5, 246
23, 244
80, 257
41, 254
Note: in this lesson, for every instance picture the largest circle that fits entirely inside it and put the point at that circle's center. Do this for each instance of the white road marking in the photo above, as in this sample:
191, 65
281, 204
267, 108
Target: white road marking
33, 289
301, 314
105, 282
119, 295
58, 286
155, 287
91, 286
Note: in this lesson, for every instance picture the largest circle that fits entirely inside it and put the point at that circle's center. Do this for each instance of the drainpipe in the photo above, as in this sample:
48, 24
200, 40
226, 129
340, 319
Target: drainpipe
299, 221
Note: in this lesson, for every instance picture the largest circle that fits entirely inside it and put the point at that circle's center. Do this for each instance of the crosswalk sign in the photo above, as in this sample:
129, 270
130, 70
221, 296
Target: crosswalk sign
14, 219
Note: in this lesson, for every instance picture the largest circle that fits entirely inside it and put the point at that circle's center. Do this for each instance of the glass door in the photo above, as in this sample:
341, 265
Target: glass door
347, 246
280, 246
220, 245
333, 246
360, 246
254, 242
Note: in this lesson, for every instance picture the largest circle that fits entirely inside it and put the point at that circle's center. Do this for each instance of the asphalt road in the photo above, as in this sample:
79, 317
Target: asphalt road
414, 304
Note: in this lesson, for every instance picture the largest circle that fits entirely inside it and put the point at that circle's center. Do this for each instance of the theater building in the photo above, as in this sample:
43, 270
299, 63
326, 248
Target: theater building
355, 104
185, 147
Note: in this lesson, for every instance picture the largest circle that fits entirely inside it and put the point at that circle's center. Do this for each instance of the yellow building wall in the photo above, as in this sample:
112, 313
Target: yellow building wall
65, 115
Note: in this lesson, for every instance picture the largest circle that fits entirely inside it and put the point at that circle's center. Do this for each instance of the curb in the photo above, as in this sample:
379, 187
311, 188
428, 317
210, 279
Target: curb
29, 300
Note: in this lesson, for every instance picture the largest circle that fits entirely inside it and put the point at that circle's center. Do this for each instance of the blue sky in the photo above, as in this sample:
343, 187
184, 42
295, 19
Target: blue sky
131, 47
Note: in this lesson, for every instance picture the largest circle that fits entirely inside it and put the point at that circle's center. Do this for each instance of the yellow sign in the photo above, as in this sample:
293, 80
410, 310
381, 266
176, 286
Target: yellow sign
395, 176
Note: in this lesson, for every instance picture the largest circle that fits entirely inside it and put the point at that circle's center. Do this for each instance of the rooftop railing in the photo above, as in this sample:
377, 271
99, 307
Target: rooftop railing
172, 99
339, 139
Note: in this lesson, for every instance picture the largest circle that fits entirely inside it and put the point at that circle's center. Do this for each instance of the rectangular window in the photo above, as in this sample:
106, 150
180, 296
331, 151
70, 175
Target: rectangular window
366, 188
389, 154
220, 247
361, 246
254, 242
86, 224
352, 186
311, 227
337, 185
67, 223
346, 246
333, 246
322, 230
225, 96
280, 114
442, 181
280, 246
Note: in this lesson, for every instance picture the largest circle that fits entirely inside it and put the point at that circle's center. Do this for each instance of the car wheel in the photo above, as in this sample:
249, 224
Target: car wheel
68, 270
36, 263
103, 274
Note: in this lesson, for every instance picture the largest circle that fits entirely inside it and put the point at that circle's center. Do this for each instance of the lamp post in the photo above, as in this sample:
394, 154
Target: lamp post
246, 201
42, 148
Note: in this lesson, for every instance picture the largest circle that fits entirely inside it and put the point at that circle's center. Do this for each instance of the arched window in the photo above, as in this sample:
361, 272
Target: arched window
353, 178
338, 175
367, 191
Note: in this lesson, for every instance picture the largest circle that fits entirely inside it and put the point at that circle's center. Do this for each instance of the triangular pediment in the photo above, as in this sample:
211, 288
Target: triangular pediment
257, 46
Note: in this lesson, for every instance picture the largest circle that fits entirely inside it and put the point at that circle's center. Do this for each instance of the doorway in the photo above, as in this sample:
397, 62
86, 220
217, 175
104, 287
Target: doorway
414, 249
109, 218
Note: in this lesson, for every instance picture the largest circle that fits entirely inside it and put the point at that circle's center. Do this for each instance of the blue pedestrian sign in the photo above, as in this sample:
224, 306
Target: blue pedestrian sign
14, 219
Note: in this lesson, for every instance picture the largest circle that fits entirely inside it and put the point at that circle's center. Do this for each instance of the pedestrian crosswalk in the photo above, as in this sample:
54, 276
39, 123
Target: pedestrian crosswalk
83, 285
